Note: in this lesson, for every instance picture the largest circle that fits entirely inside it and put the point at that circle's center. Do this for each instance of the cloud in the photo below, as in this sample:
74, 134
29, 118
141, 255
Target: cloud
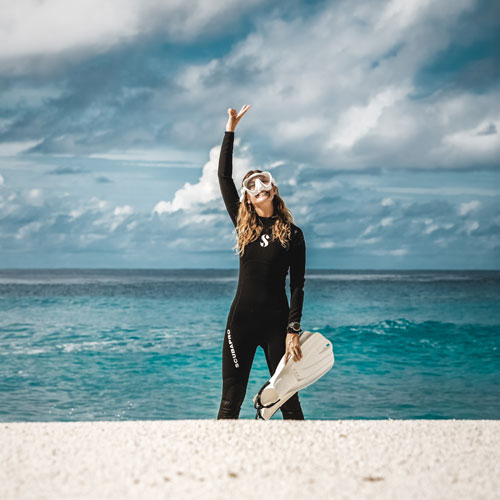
125, 210
471, 226
402, 13
207, 188
351, 102
11, 148
351, 92
353, 224
394, 252
473, 145
357, 121
489, 129
440, 190
64, 170
35, 197
354, 84
102, 179
64, 30
467, 207
386, 221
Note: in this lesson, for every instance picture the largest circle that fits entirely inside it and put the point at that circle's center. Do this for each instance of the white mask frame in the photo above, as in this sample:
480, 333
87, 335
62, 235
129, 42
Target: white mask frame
259, 185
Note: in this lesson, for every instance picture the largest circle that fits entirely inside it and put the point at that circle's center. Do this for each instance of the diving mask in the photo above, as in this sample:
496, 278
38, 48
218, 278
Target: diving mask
255, 183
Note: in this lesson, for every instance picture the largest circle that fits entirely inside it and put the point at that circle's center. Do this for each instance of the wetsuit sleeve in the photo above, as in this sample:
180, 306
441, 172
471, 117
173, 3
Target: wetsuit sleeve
225, 173
297, 275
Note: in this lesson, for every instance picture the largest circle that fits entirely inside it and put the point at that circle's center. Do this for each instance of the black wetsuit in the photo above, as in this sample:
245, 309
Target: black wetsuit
260, 313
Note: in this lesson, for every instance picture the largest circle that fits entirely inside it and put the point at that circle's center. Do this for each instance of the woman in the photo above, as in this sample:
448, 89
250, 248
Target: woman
268, 244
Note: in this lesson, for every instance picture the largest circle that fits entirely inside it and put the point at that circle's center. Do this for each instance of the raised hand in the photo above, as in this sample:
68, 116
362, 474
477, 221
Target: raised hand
235, 117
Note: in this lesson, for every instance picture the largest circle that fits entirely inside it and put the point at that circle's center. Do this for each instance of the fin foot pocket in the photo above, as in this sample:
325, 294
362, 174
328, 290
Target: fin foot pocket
290, 377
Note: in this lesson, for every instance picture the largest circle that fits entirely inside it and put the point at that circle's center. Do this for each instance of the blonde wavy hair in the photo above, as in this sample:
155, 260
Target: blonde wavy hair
249, 228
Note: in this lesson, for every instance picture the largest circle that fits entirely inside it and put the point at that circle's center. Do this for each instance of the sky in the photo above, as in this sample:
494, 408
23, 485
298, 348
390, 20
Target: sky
379, 120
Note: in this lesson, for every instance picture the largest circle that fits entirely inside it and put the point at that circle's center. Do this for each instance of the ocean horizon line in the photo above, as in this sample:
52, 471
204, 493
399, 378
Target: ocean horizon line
236, 268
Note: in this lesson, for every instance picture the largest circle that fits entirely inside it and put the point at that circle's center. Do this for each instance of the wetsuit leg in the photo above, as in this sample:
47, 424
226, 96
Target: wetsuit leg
274, 349
238, 352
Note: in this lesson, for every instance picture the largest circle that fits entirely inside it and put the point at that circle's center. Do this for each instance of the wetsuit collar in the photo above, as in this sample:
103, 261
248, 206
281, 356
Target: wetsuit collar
267, 218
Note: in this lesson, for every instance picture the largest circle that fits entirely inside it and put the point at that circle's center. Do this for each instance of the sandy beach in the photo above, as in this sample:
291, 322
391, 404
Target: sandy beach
209, 459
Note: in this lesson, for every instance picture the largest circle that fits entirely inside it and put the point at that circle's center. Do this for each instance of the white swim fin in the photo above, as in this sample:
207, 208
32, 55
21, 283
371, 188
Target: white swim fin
317, 359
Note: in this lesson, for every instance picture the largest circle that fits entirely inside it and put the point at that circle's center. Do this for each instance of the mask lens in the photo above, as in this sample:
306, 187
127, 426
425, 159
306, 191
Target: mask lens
264, 177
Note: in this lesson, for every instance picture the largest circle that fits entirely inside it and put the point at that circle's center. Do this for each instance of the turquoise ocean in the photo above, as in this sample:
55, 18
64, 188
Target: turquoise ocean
94, 344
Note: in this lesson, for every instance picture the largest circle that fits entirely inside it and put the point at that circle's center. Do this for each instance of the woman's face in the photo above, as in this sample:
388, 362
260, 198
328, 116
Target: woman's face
263, 198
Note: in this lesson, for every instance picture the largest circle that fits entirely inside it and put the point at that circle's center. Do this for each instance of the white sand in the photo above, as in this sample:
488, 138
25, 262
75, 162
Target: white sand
240, 459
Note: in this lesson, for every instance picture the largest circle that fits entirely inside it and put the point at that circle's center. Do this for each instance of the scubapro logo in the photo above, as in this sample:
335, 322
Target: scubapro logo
231, 348
264, 240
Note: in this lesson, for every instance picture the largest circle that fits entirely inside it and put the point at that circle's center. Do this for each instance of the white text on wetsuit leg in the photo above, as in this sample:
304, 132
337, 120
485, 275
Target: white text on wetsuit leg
233, 352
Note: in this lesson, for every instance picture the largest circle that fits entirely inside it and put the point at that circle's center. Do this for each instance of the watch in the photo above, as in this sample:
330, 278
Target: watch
294, 327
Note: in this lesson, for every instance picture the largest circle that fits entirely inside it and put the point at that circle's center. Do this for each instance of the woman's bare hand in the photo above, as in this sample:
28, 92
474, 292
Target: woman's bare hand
293, 347
235, 117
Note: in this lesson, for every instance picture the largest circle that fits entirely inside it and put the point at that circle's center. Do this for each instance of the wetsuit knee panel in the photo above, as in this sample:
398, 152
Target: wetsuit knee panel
233, 390
233, 394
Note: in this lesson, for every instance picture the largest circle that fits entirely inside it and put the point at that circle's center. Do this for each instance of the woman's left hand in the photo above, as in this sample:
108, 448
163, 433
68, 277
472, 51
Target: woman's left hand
293, 347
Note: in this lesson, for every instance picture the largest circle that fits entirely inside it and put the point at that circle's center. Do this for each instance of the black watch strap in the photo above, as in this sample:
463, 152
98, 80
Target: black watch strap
294, 327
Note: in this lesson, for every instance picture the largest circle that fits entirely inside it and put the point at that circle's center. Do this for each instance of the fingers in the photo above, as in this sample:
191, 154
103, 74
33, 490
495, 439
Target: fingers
243, 110
297, 351
294, 352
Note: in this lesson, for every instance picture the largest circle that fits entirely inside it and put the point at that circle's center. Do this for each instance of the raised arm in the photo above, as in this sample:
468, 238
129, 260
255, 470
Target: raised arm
225, 173
297, 275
